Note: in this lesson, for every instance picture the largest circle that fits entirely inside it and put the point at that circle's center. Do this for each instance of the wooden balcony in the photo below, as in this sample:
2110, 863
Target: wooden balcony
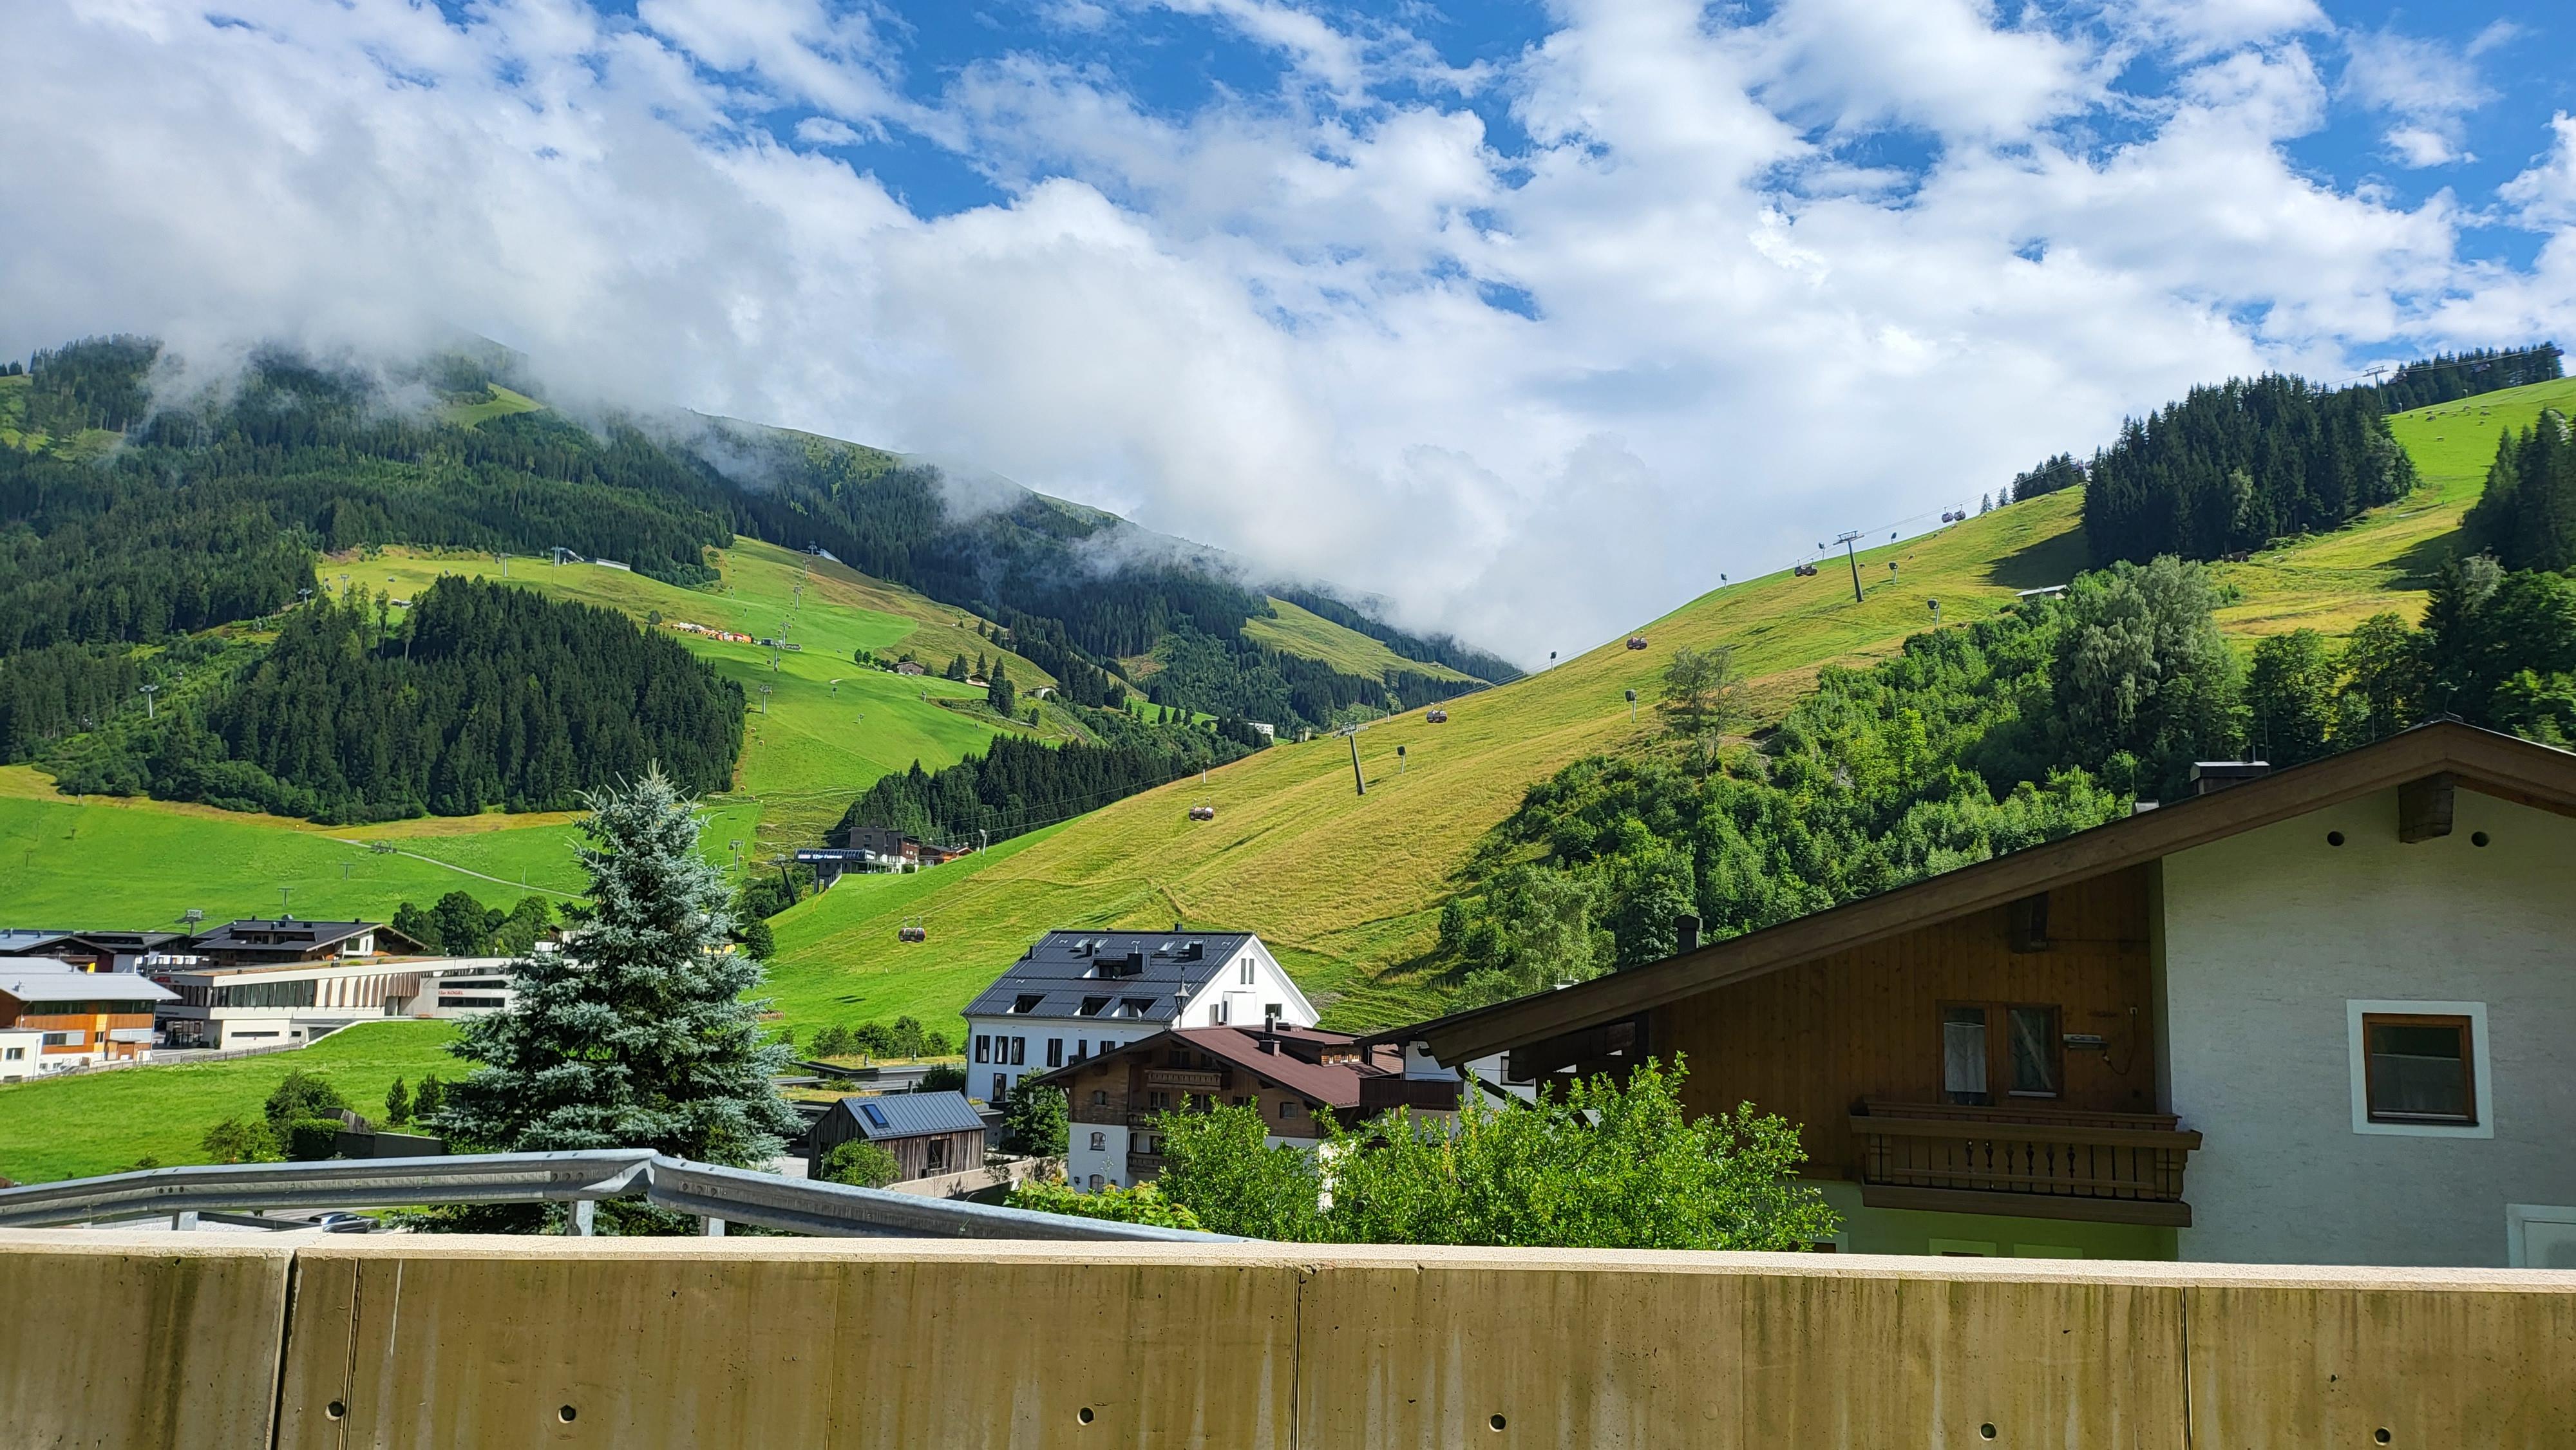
1193, 1079
2029, 1162
1142, 1166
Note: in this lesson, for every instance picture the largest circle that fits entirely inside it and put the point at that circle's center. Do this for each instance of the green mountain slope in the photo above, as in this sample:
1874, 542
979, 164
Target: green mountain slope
1347, 887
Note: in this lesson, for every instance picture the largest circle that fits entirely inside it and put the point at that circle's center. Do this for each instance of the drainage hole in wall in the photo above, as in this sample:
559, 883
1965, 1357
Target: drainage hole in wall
1496, 1422
335, 1409
2334, 838
1083, 1414
2381, 1437
1985, 1432
2477, 838
566, 1413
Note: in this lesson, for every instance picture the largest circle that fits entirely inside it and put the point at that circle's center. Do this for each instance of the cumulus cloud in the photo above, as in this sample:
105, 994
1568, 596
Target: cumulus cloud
1691, 316
2426, 87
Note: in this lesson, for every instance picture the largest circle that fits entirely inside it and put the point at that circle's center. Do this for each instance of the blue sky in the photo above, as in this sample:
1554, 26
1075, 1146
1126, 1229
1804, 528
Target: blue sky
1532, 318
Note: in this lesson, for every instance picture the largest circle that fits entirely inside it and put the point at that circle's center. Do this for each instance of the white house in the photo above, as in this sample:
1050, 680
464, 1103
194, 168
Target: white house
283, 1005
1077, 994
2317, 1015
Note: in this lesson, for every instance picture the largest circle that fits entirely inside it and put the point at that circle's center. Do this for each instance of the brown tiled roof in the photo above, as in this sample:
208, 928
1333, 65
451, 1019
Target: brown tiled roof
1336, 1085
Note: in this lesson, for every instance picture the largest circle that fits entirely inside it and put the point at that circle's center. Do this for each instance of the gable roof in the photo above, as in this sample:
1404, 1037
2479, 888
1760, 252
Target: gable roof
45, 979
2504, 766
910, 1115
1334, 1085
292, 934
1064, 967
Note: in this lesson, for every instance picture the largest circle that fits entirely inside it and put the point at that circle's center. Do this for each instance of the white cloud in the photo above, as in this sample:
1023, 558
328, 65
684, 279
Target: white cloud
1271, 323
2202, 27
2426, 86
2544, 196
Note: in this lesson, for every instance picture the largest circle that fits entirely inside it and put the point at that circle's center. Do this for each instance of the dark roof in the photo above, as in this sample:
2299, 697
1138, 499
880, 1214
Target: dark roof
2482, 760
288, 933
1066, 969
19, 941
1334, 1085
910, 1115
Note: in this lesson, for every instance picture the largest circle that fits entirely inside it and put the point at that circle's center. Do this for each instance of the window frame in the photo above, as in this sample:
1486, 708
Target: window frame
1999, 1054
2482, 1093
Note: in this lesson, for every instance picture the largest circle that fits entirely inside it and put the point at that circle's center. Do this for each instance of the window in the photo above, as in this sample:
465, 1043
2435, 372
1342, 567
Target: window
1291, 1108
1158, 1102
1091, 1006
1055, 1052
1001, 1088
1099, 1144
1963, 1054
935, 1157
1100, 1097
2416, 1069
983, 1048
58, 1039
2420, 1069
2026, 1061
1027, 1003
17, 1054
1019, 1052
1246, 978
1095, 1183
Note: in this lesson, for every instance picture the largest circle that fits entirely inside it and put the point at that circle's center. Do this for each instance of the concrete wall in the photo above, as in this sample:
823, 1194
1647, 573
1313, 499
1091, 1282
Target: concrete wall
406, 1341
2267, 936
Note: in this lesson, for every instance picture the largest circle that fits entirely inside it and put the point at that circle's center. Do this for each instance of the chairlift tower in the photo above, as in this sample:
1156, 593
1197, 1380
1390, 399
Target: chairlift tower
1851, 553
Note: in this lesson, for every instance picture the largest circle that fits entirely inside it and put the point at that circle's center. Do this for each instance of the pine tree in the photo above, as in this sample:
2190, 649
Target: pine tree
398, 1104
638, 1032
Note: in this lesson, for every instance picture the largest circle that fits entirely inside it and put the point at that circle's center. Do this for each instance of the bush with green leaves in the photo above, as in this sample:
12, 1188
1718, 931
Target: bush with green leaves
240, 1140
946, 1077
1145, 1203
1596, 1164
1035, 1121
301, 1095
862, 1163
311, 1140
397, 1104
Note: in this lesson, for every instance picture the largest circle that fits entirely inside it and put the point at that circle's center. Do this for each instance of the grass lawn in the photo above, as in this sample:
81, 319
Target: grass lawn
1346, 888
73, 1127
1299, 631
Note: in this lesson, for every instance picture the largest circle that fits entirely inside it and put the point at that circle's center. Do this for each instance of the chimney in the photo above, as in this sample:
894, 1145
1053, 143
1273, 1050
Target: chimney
2217, 775
1270, 1045
1685, 934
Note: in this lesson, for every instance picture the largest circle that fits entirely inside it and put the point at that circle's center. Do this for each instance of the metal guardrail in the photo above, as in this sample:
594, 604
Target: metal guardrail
719, 1195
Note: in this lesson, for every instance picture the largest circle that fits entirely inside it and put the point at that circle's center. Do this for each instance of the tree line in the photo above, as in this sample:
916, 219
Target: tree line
487, 696
1019, 784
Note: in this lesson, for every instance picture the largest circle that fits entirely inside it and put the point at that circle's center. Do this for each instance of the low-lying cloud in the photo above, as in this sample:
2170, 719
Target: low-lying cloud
1689, 318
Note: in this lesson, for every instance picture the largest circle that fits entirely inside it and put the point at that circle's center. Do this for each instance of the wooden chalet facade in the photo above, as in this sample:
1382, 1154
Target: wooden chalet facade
2315, 1015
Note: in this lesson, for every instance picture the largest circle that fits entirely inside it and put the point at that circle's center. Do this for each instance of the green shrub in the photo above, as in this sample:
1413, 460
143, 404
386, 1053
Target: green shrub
1143, 1203
313, 1139
860, 1163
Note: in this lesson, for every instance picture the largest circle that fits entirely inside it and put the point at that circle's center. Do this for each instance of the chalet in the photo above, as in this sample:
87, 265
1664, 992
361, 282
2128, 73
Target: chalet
54, 1015
95, 951
1077, 994
928, 1133
907, 667
1290, 1074
2319, 1015
255, 942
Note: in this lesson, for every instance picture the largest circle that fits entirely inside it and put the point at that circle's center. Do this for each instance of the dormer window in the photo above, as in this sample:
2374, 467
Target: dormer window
1027, 1002
1092, 1006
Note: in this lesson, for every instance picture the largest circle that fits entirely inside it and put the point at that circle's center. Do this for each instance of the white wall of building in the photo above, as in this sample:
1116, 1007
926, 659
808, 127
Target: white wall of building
2267, 939
21, 1053
1107, 1163
1237, 996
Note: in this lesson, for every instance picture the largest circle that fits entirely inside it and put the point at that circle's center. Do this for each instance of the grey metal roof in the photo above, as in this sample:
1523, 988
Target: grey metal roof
1067, 969
281, 934
43, 979
18, 940
910, 1115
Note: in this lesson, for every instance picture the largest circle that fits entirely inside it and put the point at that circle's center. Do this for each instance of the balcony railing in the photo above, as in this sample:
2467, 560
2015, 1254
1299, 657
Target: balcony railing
1184, 1077
2026, 1161
1141, 1166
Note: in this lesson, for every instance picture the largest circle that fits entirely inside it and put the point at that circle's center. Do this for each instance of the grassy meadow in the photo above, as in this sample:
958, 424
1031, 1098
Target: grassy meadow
105, 1122
1347, 887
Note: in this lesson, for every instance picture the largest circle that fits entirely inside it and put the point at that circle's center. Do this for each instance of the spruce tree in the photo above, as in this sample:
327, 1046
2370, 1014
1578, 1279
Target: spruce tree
637, 1033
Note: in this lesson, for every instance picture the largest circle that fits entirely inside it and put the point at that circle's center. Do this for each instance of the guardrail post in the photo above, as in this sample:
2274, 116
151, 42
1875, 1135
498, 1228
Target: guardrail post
712, 1227
585, 1211
183, 1221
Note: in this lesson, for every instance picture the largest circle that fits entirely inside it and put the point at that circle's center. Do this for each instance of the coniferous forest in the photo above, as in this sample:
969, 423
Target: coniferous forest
2235, 465
484, 696
1018, 785
206, 509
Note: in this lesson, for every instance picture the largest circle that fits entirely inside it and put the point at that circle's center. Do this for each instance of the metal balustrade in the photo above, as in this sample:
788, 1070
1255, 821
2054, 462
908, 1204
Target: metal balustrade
715, 1194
